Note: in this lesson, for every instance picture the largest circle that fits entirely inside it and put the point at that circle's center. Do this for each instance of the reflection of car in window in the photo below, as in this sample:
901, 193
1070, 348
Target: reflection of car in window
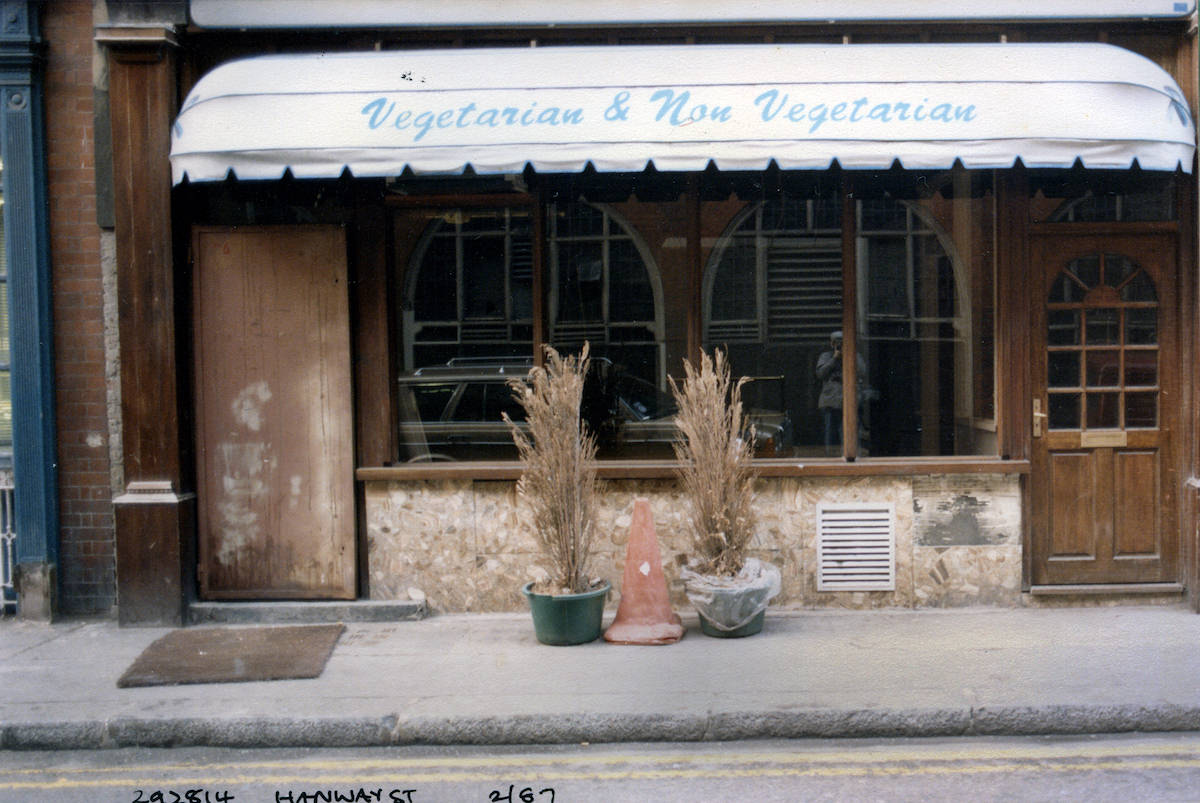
765, 404
454, 412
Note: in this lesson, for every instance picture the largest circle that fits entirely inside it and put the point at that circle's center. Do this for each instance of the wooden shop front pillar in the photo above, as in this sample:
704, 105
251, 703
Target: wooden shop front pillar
155, 516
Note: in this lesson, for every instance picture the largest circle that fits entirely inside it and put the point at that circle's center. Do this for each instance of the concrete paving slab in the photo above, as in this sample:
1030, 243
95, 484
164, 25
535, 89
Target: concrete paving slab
484, 679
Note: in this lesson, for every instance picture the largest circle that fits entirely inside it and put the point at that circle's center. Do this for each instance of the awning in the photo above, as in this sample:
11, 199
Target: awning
526, 13
740, 107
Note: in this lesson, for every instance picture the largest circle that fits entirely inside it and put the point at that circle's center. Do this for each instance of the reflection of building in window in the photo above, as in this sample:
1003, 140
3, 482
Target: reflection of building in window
471, 292
772, 297
468, 328
914, 330
604, 290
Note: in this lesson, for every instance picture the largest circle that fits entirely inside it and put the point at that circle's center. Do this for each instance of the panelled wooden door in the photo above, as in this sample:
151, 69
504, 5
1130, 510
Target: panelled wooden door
1105, 396
274, 429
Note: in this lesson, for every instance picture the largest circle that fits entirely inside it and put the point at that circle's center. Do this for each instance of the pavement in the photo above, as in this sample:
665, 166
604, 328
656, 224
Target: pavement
484, 679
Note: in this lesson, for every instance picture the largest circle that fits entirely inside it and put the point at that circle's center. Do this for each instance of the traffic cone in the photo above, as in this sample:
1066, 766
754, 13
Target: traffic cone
644, 615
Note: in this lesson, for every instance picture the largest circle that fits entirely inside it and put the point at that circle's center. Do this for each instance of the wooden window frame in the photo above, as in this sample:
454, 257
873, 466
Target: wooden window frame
848, 465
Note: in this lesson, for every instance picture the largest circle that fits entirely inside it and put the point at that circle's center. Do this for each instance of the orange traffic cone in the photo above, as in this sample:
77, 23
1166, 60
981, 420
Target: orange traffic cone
644, 615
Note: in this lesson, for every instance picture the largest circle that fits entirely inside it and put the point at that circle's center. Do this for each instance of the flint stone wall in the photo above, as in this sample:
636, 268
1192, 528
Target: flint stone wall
466, 545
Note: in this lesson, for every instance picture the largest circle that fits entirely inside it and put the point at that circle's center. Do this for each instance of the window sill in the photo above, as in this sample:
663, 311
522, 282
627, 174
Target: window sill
665, 469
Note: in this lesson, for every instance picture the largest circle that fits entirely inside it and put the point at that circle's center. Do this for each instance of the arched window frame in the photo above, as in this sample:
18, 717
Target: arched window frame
756, 328
913, 220
488, 326
615, 228
919, 223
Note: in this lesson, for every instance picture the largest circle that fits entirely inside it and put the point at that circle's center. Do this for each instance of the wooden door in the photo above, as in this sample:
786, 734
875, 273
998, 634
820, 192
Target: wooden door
1105, 391
273, 404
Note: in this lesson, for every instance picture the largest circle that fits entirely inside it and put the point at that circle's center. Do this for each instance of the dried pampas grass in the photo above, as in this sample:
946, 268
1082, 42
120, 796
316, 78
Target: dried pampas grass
558, 479
716, 472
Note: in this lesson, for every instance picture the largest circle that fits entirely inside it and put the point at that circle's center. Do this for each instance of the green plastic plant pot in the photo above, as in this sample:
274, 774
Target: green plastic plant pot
749, 629
567, 618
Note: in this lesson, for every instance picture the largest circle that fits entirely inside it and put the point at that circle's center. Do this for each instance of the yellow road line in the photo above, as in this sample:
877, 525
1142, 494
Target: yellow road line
866, 753
221, 781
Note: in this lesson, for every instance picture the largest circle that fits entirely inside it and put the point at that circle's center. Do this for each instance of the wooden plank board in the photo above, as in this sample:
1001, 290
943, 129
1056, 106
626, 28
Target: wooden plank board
275, 435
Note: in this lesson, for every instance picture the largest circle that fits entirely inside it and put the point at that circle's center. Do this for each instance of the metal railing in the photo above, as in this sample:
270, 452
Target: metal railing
8, 545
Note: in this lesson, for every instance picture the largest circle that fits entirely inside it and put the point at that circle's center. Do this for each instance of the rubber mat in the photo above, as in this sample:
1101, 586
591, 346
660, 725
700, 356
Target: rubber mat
233, 655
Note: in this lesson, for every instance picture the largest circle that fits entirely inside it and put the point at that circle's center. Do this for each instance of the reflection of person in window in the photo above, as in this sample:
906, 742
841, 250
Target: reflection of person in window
829, 372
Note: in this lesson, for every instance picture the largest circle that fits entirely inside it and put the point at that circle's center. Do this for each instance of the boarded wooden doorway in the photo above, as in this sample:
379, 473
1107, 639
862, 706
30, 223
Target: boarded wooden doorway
273, 403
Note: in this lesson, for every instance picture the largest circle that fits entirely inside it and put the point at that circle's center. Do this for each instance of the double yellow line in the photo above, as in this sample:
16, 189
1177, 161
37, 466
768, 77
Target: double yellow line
847, 760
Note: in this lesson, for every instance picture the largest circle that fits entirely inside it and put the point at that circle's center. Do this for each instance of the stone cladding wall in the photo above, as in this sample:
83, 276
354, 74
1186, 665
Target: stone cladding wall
466, 545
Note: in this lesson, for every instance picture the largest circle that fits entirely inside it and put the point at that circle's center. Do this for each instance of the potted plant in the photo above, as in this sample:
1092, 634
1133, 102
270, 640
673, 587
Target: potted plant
558, 482
729, 589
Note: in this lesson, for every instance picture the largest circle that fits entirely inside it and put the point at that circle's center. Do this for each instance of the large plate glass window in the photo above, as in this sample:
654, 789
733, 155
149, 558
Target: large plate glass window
773, 298
925, 318
469, 294
468, 328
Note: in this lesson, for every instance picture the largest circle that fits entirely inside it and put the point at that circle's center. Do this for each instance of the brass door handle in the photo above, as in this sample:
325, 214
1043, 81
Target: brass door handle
1038, 415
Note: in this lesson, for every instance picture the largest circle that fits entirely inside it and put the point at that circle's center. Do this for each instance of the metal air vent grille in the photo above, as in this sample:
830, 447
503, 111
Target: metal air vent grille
856, 547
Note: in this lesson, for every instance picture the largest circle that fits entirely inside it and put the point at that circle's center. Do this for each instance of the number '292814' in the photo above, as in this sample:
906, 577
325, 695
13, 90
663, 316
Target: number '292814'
182, 796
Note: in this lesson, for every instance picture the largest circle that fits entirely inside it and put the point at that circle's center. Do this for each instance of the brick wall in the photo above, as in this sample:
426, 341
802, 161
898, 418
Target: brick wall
86, 542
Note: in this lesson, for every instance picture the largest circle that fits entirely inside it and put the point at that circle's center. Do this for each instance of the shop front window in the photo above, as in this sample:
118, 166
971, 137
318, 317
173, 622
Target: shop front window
915, 335
773, 299
772, 295
923, 320
468, 330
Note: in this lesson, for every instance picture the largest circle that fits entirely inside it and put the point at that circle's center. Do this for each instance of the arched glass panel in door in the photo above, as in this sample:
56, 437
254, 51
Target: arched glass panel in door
1102, 355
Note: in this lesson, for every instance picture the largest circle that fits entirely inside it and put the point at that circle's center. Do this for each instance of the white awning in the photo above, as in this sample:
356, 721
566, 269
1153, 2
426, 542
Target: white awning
518, 13
740, 107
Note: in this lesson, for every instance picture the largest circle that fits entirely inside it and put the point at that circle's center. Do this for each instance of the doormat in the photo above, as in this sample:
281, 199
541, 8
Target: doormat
233, 655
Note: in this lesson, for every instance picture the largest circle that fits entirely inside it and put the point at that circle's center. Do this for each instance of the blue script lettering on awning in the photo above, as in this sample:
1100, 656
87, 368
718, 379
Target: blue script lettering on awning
671, 107
681, 108
382, 112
